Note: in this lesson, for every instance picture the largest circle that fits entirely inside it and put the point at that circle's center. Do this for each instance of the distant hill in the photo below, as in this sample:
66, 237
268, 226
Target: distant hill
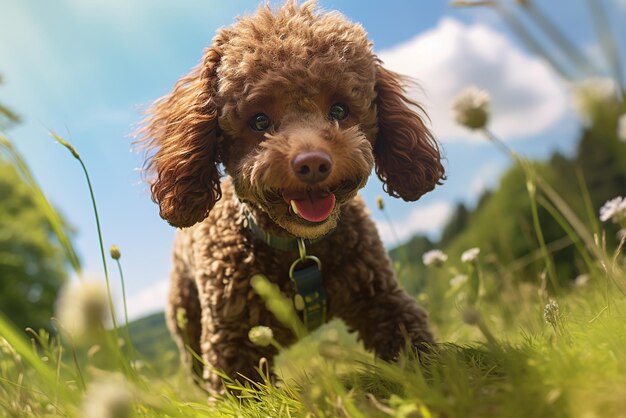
501, 224
154, 343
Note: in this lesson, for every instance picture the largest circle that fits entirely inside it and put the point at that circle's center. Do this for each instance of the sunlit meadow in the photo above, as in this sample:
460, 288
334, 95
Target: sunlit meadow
518, 336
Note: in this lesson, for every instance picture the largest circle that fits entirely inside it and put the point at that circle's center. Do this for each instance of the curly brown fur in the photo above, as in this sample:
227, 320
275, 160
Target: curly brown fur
293, 65
407, 156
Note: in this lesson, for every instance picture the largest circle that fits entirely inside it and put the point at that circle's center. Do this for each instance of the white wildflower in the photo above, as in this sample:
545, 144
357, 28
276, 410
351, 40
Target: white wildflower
621, 128
551, 313
261, 335
109, 397
581, 280
593, 96
471, 107
82, 308
434, 258
471, 255
614, 209
459, 280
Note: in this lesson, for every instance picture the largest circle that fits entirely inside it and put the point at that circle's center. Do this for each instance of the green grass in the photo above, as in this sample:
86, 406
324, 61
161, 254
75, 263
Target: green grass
576, 369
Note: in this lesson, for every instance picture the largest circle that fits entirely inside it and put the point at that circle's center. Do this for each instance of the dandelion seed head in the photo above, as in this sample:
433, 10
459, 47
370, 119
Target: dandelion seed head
261, 335
614, 210
109, 397
471, 255
435, 258
551, 313
592, 97
471, 108
82, 308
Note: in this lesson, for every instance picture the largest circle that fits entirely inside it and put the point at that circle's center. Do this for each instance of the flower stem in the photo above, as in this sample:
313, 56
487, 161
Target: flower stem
531, 184
131, 347
104, 261
124, 364
542, 242
393, 230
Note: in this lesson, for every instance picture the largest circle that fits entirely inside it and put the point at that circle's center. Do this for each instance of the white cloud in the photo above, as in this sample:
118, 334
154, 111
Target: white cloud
425, 219
527, 97
149, 300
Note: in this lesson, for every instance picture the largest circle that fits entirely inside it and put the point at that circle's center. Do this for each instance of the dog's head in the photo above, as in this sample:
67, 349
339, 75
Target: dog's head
299, 110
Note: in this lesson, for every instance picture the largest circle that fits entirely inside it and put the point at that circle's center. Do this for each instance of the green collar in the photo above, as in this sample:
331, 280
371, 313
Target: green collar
274, 241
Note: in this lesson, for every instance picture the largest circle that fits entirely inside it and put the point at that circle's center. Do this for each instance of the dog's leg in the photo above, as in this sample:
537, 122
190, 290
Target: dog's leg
228, 351
182, 314
226, 320
368, 298
388, 322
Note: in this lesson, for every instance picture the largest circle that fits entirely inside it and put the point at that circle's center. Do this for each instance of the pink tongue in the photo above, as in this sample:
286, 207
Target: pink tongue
316, 208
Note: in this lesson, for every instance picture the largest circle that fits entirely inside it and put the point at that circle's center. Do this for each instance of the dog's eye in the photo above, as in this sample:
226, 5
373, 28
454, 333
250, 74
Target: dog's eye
260, 122
338, 111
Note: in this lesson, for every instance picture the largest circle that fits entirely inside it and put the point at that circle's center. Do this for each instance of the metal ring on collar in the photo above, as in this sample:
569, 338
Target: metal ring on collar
300, 260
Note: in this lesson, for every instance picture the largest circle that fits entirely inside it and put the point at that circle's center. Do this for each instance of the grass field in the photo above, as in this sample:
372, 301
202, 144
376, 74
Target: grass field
544, 361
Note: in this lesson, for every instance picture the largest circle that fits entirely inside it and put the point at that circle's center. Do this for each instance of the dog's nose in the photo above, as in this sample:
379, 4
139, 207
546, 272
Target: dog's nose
312, 167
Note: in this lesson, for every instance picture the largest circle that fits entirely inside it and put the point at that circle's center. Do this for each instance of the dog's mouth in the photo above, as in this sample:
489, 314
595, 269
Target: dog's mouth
312, 205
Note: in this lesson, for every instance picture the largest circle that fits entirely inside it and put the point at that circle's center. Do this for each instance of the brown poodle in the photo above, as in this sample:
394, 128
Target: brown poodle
298, 110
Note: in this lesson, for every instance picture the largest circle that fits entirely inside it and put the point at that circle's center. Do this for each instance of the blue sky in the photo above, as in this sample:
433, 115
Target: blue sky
86, 69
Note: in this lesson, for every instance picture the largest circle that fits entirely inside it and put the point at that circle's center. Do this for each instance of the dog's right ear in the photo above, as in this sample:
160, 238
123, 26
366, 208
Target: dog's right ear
180, 135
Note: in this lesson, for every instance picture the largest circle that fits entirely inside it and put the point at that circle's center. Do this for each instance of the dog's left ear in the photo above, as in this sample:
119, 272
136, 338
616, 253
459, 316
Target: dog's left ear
181, 136
408, 161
